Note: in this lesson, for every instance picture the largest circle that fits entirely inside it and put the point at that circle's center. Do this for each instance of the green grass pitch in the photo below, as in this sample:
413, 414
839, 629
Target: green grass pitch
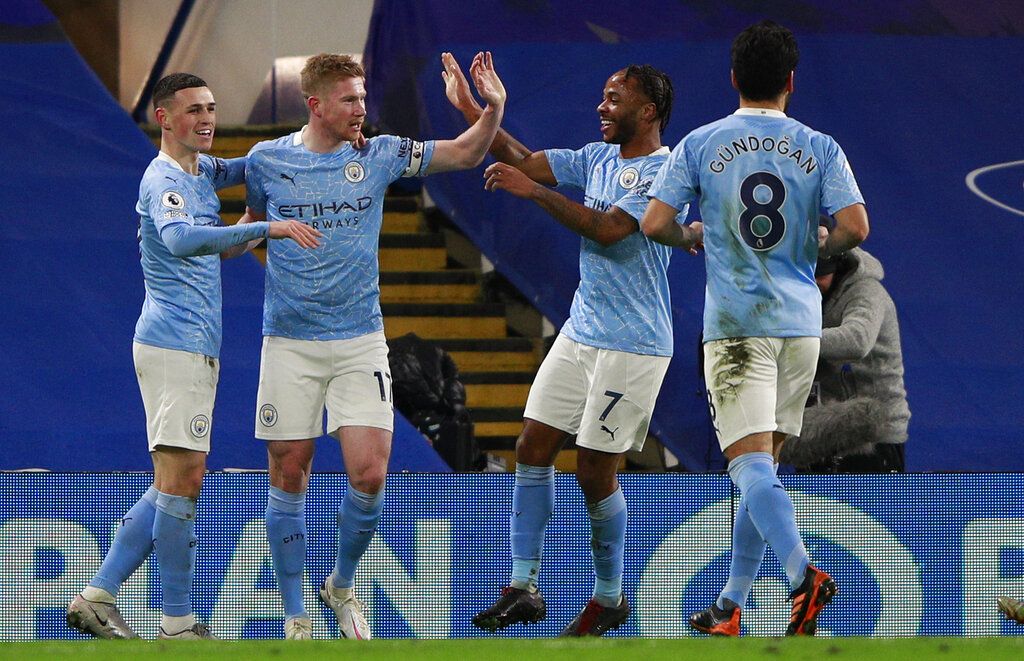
506, 649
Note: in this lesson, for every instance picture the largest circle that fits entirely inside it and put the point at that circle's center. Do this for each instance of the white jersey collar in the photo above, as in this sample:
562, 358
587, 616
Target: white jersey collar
167, 158
760, 112
297, 136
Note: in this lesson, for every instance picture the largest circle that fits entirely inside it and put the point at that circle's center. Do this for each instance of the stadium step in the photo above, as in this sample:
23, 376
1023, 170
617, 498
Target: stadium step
496, 389
452, 321
512, 354
451, 286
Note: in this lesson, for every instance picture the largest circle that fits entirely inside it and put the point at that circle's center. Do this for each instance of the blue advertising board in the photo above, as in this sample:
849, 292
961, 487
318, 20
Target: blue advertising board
912, 554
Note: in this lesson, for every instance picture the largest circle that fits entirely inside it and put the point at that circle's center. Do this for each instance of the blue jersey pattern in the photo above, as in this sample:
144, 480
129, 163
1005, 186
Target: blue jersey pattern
182, 309
762, 179
331, 292
623, 301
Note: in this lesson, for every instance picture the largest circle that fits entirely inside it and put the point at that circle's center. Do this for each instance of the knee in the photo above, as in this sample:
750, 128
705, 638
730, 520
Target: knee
369, 479
535, 448
289, 472
596, 475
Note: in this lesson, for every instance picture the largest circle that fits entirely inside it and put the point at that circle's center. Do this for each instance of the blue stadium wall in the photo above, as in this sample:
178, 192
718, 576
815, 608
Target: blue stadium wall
912, 554
920, 94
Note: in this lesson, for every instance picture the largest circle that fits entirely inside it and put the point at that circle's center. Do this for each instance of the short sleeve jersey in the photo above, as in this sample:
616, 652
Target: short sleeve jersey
182, 310
331, 292
622, 302
762, 179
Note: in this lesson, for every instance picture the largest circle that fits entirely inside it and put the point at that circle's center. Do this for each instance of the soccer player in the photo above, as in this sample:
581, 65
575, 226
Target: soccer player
761, 178
177, 341
323, 333
602, 375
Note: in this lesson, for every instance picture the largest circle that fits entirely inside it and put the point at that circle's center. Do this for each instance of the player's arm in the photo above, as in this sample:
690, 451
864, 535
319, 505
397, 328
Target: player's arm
504, 147
850, 231
242, 248
659, 224
605, 227
468, 150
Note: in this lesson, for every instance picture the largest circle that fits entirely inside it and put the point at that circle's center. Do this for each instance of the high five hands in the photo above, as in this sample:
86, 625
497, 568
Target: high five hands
485, 79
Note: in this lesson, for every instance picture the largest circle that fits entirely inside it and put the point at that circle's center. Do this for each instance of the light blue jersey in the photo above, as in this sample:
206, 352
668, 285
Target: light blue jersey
762, 179
182, 309
331, 292
623, 301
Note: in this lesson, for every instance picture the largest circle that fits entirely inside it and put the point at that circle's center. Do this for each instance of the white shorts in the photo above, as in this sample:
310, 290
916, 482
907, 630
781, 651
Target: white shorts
758, 384
299, 378
178, 389
605, 397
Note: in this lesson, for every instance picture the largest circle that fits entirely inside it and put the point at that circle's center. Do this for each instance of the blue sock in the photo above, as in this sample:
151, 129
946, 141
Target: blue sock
174, 526
286, 532
771, 510
747, 552
533, 501
357, 521
608, 526
131, 546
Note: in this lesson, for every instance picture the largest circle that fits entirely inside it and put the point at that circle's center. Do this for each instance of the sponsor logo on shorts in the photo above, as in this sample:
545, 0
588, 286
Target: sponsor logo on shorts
173, 200
354, 172
268, 415
629, 177
200, 426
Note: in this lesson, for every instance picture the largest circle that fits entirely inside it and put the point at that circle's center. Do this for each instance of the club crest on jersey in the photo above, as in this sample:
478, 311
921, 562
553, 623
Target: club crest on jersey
200, 426
173, 200
354, 172
629, 177
268, 415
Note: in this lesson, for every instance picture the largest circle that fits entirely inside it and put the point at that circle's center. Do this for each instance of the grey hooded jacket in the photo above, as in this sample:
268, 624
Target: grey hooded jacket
860, 345
860, 371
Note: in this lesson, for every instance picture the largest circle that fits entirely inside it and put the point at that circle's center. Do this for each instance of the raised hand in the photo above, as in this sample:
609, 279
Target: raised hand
456, 87
501, 176
304, 235
486, 80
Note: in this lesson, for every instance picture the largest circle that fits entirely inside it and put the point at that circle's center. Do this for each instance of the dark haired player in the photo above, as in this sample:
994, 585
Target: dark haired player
602, 376
762, 179
177, 341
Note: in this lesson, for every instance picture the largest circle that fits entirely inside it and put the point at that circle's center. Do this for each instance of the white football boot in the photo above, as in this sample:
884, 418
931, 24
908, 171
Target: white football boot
98, 618
349, 611
298, 628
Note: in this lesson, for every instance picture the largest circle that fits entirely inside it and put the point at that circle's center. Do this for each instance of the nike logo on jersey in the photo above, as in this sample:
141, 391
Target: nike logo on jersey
611, 432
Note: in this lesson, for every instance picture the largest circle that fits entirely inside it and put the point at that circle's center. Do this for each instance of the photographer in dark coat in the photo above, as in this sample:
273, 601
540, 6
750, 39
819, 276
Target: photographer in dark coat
856, 421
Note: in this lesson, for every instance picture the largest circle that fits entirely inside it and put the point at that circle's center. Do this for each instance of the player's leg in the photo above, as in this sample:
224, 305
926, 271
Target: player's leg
289, 465
366, 451
359, 410
741, 376
94, 611
553, 411
289, 414
178, 478
621, 396
798, 359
